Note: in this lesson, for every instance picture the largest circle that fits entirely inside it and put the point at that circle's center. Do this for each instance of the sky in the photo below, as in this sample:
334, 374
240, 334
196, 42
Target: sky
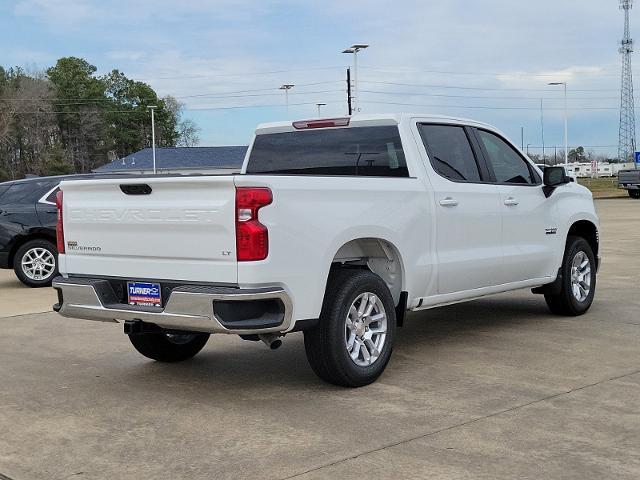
225, 59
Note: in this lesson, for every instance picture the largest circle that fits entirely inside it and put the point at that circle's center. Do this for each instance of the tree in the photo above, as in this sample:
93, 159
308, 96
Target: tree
188, 133
79, 108
187, 129
577, 155
67, 119
129, 118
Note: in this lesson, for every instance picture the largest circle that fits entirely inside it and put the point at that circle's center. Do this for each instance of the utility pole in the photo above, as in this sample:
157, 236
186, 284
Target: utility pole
286, 87
521, 138
354, 49
627, 132
542, 127
349, 108
320, 105
153, 135
566, 122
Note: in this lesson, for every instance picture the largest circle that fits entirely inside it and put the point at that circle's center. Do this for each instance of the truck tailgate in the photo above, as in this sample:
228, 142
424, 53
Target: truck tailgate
630, 177
183, 229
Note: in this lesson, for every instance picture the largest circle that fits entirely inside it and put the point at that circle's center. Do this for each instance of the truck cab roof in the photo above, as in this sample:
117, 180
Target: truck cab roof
368, 120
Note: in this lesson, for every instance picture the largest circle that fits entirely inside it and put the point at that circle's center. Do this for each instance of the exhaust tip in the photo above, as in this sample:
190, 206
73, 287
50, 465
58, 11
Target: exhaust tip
271, 340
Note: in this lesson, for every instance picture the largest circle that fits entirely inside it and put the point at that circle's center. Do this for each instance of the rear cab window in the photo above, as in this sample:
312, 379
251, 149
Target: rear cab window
356, 151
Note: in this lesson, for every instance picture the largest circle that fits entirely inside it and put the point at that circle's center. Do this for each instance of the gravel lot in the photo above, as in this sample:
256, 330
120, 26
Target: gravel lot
495, 388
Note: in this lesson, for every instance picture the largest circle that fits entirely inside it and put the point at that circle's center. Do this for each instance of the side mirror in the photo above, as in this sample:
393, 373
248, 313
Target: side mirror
553, 178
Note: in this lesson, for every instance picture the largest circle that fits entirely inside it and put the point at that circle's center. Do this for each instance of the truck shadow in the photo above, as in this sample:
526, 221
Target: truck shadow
232, 366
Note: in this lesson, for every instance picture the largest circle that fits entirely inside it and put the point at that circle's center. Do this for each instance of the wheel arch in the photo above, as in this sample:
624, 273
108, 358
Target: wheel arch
20, 241
378, 255
587, 230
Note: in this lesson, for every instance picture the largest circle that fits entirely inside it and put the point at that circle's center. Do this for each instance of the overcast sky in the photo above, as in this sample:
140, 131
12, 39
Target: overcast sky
439, 57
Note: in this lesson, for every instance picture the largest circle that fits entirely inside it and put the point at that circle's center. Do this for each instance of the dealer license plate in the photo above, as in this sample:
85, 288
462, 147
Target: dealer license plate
144, 294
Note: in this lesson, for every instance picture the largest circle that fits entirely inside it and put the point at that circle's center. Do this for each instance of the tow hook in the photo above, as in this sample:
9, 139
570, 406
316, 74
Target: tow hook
271, 340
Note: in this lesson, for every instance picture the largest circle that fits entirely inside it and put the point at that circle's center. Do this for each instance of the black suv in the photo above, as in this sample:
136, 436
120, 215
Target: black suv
28, 217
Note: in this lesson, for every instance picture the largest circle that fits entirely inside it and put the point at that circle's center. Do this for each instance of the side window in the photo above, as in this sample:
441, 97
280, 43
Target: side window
26, 192
51, 198
450, 152
508, 166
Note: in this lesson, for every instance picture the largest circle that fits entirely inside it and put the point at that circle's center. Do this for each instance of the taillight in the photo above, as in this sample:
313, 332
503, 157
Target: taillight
252, 237
59, 225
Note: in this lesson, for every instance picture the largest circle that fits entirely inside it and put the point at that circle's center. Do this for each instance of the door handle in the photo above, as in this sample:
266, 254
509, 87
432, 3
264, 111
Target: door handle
511, 202
448, 202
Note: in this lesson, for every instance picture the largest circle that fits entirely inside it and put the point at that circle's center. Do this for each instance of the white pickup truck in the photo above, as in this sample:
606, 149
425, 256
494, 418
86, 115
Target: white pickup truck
334, 227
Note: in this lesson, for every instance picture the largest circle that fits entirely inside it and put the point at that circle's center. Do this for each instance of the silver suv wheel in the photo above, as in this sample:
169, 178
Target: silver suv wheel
38, 263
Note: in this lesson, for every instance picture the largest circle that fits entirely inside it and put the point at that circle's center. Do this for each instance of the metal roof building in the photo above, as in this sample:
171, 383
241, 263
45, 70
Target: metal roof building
180, 160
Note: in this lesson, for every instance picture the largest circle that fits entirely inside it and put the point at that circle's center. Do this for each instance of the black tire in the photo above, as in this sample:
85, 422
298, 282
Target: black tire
164, 347
325, 344
634, 193
565, 303
30, 278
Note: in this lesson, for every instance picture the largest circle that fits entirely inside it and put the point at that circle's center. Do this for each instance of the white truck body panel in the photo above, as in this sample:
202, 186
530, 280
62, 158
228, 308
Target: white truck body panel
179, 233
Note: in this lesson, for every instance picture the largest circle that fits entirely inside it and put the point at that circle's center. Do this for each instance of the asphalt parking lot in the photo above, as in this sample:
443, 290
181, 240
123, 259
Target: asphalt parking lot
495, 388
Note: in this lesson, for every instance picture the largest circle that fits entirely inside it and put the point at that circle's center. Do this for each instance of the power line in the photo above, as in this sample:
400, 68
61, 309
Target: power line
485, 107
243, 74
214, 97
492, 74
422, 85
231, 107
537, 98
58, 101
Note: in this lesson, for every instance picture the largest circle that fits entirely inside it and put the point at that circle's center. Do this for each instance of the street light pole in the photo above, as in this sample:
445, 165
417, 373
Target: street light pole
286, 87
566, 122
320, 105
153, 135
354, 49
542, 127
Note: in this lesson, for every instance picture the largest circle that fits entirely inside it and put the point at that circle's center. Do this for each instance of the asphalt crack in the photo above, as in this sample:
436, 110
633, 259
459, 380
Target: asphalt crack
462, 424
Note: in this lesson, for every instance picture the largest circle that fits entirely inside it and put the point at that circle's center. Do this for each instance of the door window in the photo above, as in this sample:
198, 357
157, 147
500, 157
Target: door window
450, 152
507, 165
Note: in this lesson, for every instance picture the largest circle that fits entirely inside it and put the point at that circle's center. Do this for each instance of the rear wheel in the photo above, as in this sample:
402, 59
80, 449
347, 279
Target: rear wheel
353, 340
578, 280
634, 193
36, 263
169, 347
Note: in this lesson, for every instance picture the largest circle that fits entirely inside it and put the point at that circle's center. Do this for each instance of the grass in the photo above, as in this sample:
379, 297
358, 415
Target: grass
603, 187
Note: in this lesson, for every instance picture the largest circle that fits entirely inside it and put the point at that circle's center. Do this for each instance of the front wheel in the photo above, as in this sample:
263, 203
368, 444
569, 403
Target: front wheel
634, 193
353, 340
578, 280
169, 347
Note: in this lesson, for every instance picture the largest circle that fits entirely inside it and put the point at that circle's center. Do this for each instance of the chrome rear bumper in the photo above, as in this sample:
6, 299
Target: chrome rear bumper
187, 308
